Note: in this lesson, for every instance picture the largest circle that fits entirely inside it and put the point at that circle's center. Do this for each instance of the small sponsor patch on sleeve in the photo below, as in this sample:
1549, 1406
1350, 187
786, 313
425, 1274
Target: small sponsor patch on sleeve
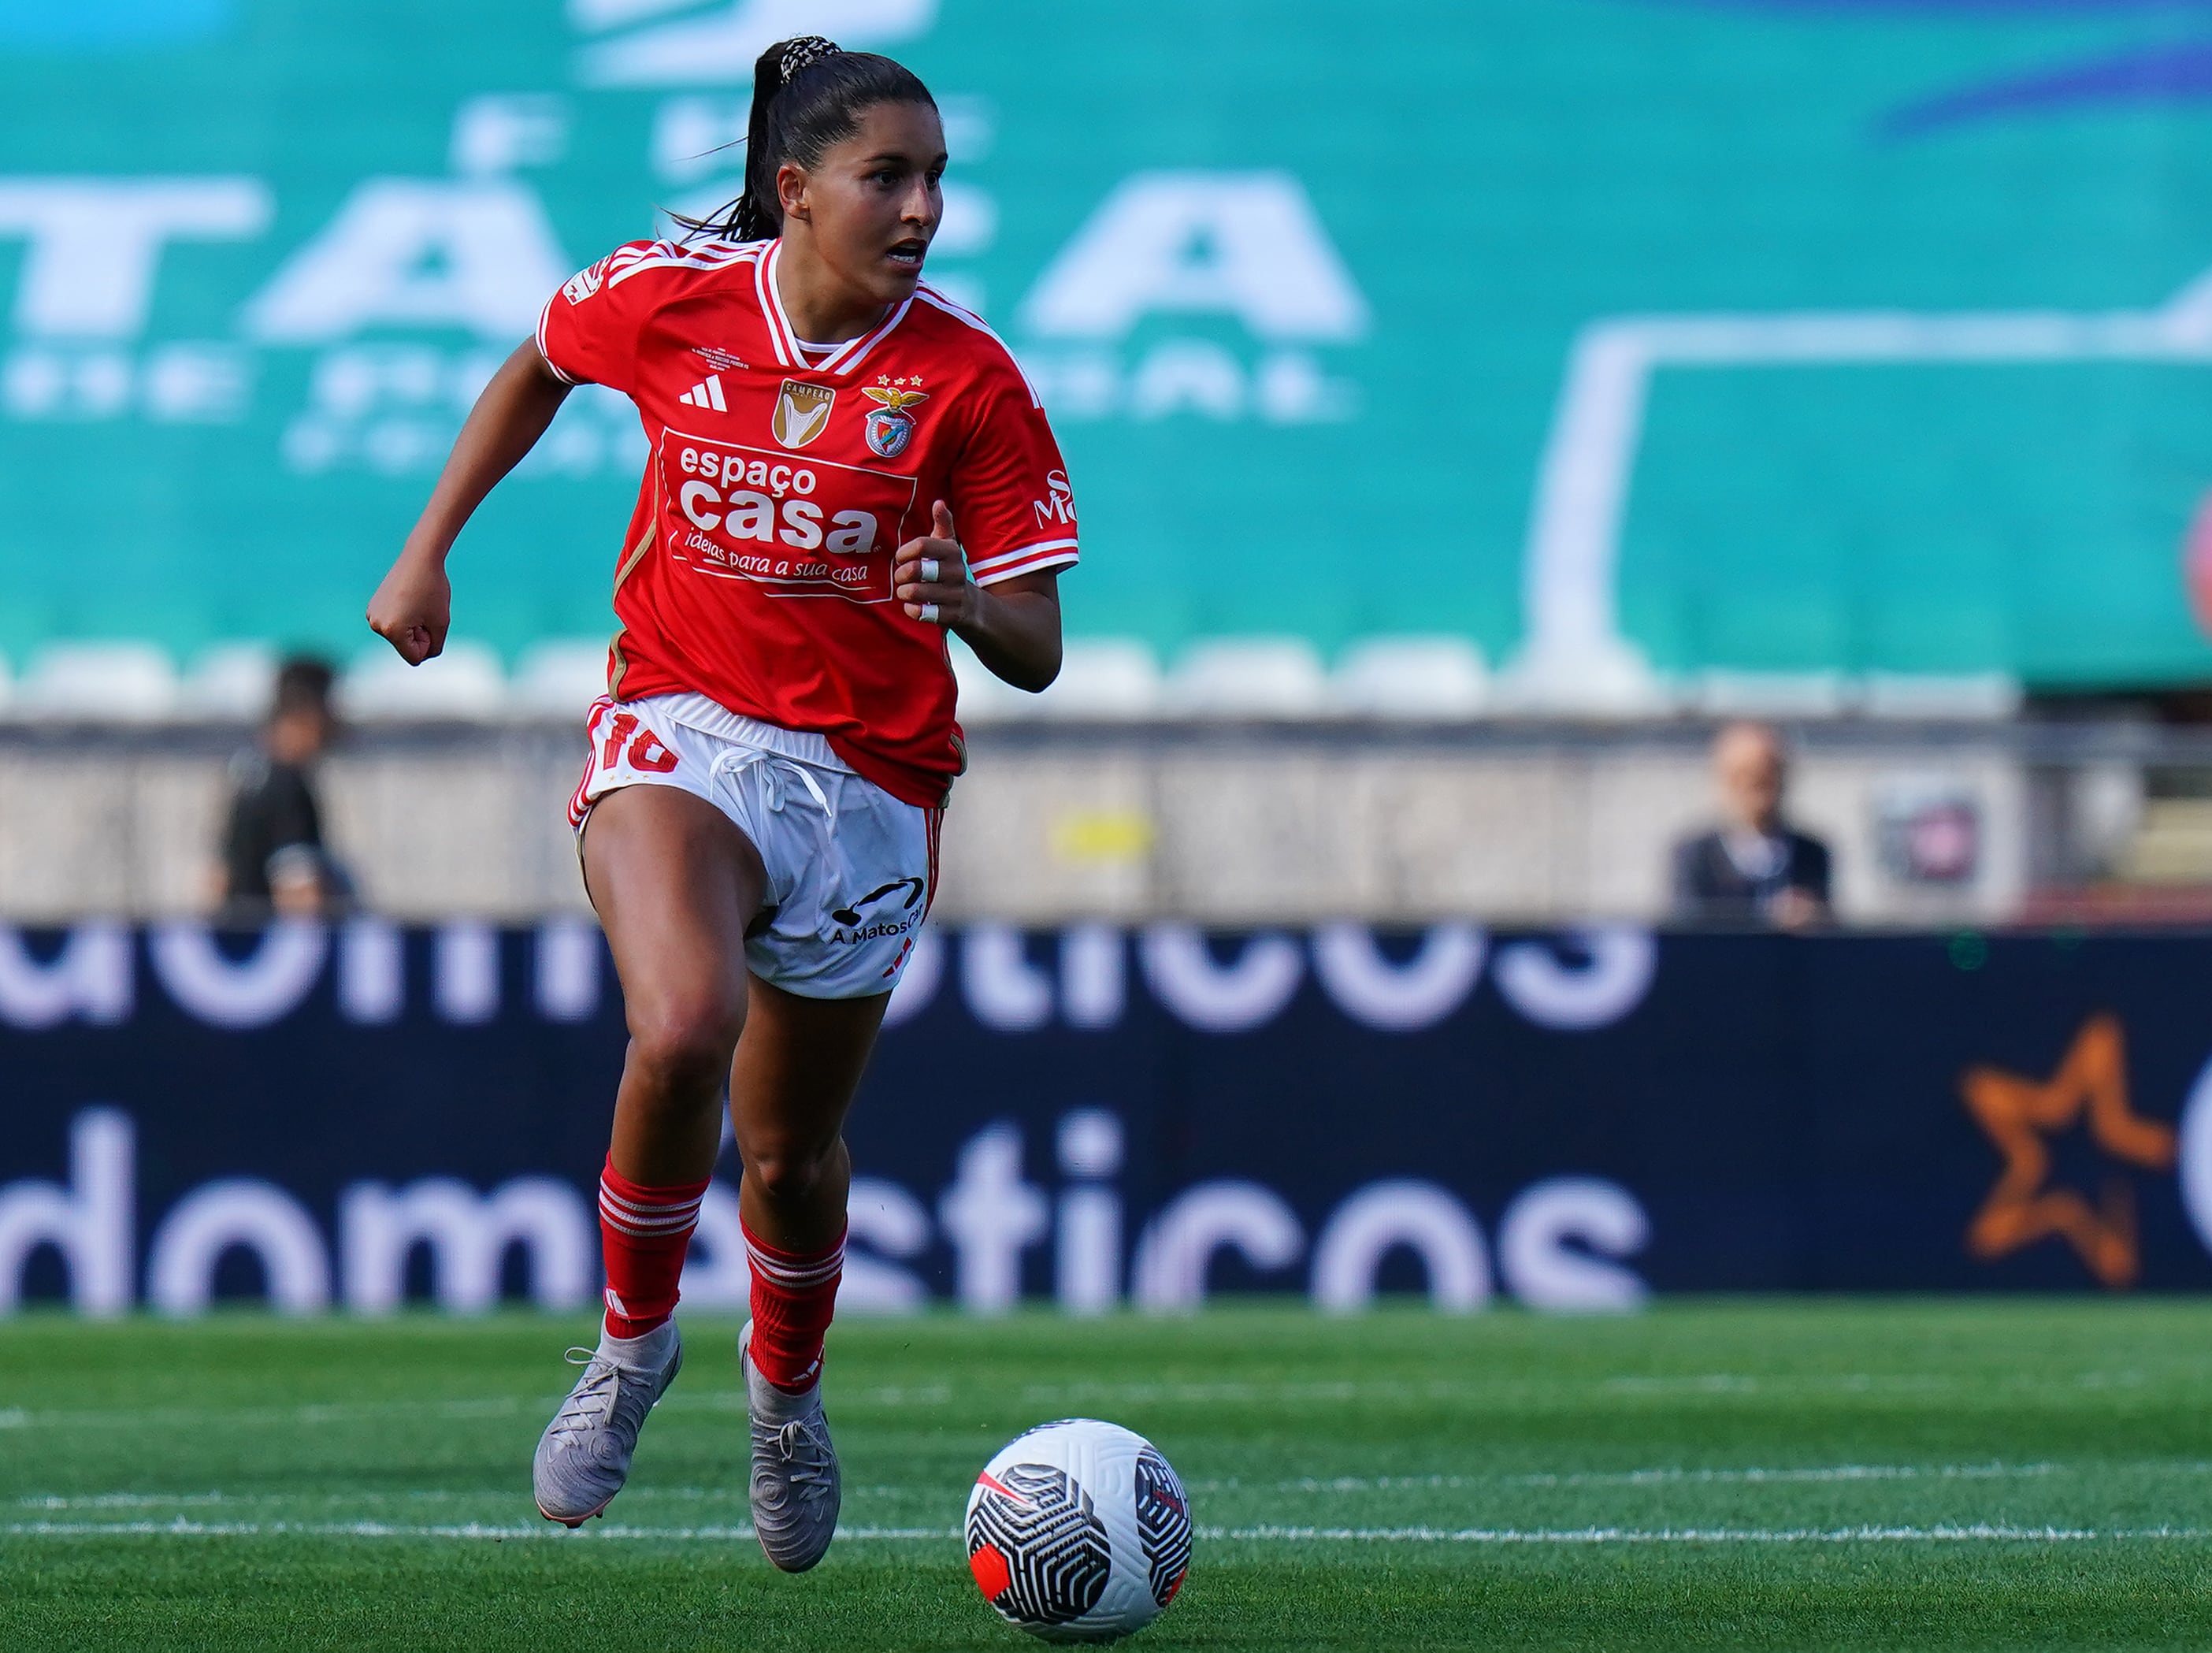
585, 282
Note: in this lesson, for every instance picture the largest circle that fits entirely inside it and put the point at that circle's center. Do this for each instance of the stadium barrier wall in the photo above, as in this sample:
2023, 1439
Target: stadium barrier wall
360, 1117
1507, 823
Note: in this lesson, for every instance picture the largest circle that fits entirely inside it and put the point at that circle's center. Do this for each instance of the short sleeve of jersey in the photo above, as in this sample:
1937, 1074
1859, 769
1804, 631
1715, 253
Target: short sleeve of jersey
589, 330
1012, 505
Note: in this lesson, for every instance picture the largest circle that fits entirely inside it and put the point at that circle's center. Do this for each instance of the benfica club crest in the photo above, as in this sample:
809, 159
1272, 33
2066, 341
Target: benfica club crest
890, 426
802, 412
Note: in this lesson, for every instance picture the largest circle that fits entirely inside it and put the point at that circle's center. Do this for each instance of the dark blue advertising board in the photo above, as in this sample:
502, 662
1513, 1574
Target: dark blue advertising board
356, 1116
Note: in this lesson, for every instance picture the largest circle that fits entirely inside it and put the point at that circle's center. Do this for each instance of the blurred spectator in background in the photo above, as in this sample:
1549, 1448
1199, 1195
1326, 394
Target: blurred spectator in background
1755, 868
274, 860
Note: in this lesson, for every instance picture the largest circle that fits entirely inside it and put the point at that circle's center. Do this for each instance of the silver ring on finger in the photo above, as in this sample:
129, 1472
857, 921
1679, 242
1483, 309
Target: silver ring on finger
929, 614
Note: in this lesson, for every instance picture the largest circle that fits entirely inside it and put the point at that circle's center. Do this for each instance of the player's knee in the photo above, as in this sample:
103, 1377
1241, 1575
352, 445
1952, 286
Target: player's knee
685, 1045
790, 1173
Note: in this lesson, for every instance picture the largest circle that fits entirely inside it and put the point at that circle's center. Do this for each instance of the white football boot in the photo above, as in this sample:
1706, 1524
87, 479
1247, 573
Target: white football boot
584, 1456
794, 1489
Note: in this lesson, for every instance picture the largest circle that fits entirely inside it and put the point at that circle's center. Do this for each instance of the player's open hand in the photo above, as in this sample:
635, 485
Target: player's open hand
413, 608
930, 576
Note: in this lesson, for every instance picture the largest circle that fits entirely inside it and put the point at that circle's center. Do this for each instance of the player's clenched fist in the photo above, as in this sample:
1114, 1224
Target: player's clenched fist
931, 576
413, 608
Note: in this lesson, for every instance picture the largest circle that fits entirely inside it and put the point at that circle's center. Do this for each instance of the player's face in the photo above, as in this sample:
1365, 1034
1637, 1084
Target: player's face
875, 200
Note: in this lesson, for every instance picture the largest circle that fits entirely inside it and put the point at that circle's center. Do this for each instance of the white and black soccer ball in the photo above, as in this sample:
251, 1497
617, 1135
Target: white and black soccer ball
1078, 1531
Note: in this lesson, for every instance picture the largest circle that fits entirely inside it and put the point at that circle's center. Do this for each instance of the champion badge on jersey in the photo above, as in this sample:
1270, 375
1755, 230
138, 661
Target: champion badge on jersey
802, 412
890, 426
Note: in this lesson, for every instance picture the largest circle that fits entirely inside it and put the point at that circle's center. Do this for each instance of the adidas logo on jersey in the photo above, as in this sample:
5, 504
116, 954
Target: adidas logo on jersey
706, 393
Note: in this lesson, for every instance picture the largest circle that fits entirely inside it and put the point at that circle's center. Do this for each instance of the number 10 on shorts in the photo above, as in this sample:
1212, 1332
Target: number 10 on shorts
646, 749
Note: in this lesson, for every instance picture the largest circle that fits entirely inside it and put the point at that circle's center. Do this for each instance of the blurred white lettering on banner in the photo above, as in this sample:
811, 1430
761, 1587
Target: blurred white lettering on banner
266, 986
724, 40
95, 244
499, 132
1228, 1214
467, 1233
721, 43
1215, 997
883, 1221
372, 983
475, 254
1089, 1230
2196, 1168
1003, 990
243, 1213
466, 972
924, 969
1087, 1260
992, 1216
566, 964
715, 1273
1554, 1243
1546, 1271
1398, 997
1247, 245
1094, 976
89, 1222
1619, 962
1420, 1217
89, 977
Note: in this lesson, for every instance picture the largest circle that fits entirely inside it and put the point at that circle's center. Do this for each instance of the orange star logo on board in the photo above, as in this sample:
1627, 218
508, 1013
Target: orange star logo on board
2020, 1114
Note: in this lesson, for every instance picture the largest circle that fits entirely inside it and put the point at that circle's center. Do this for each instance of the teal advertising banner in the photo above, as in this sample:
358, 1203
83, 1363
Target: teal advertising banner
1619, 336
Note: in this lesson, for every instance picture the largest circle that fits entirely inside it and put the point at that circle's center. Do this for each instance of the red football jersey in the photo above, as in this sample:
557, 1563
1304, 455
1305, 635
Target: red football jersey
783, 480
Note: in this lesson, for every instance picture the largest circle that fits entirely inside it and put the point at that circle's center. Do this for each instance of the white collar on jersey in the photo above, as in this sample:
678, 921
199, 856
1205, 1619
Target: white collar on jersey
842, 359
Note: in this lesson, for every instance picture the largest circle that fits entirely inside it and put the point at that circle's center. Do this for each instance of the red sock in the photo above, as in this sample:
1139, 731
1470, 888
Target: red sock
795, 1295
643, 1235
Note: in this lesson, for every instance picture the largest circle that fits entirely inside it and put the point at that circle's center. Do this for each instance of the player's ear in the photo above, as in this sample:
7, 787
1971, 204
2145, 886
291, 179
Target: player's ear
791, 190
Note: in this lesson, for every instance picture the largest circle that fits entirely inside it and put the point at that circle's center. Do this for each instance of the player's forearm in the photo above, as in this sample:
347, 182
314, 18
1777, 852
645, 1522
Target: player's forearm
508, 418
1016, 634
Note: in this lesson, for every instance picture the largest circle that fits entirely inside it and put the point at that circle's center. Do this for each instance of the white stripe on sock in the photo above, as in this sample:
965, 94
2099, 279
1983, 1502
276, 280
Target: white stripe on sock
647, 1208
645, 1221
798, 1277
676, 1215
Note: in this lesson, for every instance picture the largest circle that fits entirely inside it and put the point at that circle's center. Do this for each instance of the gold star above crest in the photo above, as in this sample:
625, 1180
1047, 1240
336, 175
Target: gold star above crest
2019, 1113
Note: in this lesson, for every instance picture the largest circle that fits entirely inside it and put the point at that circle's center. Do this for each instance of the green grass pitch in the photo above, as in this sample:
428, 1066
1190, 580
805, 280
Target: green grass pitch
1748, 1474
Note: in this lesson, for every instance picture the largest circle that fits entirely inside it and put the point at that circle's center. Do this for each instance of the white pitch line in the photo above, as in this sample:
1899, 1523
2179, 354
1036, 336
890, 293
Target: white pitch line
437, 1495
315, 1414
182, 1528
1939, 1535
322, 1413
1319, 1485
1842, 1471
1548, 1394
1664, 1476
482, 1532
151, 1500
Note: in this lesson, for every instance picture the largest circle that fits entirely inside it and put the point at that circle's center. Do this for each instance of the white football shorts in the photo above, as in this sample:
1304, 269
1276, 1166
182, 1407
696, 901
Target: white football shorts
851, 869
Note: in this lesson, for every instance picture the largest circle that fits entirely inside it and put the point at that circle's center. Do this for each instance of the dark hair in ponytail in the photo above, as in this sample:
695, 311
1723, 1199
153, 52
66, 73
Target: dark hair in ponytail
807, 95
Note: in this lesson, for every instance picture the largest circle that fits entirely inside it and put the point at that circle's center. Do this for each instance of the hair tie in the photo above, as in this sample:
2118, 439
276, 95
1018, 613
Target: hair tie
803, 51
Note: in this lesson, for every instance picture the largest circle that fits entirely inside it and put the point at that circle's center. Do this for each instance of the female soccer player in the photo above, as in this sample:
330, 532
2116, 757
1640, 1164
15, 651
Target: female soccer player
758, 819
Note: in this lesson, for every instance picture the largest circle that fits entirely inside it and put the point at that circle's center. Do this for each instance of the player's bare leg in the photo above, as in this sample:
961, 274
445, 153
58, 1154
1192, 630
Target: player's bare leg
675, 884
798, 1064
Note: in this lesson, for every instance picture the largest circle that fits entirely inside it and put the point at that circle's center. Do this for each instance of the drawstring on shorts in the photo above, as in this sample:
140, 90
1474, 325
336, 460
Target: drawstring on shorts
775, 769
